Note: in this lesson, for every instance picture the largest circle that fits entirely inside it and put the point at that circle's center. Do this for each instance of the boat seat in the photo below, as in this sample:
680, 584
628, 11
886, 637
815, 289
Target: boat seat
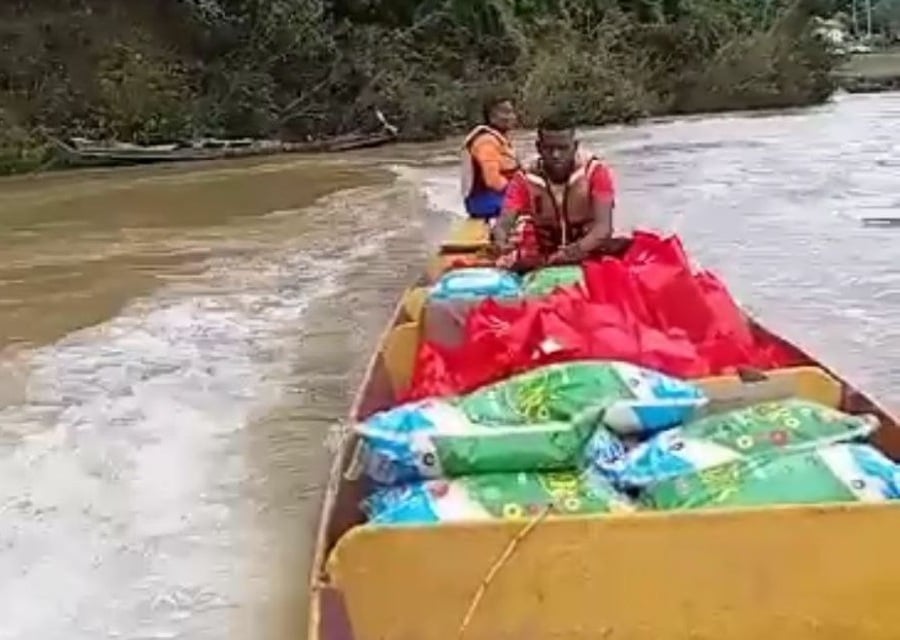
740, 390
414, 301
399, 354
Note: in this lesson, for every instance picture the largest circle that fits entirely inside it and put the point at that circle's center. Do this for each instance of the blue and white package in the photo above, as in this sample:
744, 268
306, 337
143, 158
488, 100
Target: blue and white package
604, 451
539, 420
764, 429
870, 474
494, 496
471, 283
828, 474
659, 402
393, 453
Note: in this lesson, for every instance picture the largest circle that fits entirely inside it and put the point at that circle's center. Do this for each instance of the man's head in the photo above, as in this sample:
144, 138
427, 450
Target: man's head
557, 147
499, 112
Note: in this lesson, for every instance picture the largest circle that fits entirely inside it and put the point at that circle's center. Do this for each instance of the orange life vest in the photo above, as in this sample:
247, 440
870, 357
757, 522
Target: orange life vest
472, 180
562, 214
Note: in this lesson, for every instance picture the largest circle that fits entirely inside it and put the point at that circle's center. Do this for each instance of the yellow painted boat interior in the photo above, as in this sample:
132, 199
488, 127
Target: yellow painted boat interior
826, 572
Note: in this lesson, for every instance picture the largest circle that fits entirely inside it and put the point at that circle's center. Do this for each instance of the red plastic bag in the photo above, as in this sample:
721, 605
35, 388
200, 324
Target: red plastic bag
647, 308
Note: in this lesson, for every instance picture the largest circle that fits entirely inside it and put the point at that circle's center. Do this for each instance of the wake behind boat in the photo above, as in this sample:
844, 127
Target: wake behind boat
685, 564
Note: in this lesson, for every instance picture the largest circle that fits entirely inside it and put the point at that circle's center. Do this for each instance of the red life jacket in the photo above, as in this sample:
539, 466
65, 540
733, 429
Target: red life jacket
562, 214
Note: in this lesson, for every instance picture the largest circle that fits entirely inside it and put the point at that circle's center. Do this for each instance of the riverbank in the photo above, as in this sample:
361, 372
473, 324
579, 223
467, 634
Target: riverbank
305, 69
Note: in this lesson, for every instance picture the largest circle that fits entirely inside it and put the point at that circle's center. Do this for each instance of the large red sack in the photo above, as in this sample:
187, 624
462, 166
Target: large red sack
647, 308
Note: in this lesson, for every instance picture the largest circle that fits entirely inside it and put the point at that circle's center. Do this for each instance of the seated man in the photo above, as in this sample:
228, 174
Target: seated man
489, 160
564, 199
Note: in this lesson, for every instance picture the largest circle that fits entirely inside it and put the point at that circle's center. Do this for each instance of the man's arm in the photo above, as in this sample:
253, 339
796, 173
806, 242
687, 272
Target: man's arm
503, 230
515, 201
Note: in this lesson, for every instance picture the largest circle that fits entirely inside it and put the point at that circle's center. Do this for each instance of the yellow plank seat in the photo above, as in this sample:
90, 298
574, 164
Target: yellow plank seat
793, 573
469, 232
399, 353
470, 237
398, 350
414, 299
807, 382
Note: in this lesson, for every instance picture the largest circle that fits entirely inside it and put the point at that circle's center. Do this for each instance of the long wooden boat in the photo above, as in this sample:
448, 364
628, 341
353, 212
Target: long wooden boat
87, 153
805, 572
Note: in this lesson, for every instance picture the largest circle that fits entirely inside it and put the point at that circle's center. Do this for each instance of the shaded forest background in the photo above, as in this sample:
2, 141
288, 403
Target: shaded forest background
162, 70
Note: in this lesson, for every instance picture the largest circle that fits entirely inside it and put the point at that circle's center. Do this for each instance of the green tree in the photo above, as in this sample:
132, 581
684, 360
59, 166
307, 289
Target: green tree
886, 16
306, 68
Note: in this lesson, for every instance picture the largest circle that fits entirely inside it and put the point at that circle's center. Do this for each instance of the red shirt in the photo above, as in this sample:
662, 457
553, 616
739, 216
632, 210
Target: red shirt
518, 196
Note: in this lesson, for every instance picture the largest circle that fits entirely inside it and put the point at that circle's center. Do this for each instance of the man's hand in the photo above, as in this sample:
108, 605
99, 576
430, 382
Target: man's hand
570, 254
502, 231
556, 258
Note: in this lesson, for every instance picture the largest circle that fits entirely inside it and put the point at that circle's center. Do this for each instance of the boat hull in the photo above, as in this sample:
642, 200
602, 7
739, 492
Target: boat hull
824, 571
95, 155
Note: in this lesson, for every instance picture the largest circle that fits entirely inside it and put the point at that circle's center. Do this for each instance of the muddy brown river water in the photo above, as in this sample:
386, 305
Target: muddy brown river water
176, 342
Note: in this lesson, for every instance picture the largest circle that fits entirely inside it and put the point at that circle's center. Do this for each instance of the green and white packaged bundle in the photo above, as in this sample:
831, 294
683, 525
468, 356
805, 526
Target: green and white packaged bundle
542, 282
633, 400
834, 473
494, 496
535, 421
763, 429
435, 439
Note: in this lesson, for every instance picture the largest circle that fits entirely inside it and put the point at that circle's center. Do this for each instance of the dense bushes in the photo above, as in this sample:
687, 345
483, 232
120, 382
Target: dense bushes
308, 68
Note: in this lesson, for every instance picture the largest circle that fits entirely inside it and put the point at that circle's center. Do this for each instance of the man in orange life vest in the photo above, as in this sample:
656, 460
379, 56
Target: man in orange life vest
489, 160
564, 200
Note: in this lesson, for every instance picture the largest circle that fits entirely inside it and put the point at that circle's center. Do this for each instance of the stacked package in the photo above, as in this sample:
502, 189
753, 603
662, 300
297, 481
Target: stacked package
602, 436
595, 437
515, 446
543, 282
478, 283
474, 283
784, 452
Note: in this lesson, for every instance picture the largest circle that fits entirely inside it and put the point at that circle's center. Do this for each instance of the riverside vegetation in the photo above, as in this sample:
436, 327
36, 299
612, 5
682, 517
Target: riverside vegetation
298, 69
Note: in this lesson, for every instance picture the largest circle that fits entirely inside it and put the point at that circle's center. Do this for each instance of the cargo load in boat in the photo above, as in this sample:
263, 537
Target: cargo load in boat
606, 450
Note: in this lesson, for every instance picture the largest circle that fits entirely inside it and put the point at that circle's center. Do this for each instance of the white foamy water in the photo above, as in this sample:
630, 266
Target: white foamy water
121, 472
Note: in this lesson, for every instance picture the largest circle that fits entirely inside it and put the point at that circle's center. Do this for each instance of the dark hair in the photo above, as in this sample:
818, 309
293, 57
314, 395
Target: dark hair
555, 122
492, 102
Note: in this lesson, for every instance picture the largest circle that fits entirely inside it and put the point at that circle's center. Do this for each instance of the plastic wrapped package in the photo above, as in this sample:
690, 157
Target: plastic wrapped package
494, 496
719, 439
536, 421
835, 473
476, 282
541, 282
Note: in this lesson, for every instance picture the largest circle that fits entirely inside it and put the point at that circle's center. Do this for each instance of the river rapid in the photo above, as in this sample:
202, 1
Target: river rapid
177, 342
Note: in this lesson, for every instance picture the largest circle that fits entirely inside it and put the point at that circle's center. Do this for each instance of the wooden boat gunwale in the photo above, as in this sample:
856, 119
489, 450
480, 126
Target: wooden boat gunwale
318, 582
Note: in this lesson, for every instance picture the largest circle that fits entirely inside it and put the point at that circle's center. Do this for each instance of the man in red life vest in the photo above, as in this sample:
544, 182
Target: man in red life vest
558, 210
